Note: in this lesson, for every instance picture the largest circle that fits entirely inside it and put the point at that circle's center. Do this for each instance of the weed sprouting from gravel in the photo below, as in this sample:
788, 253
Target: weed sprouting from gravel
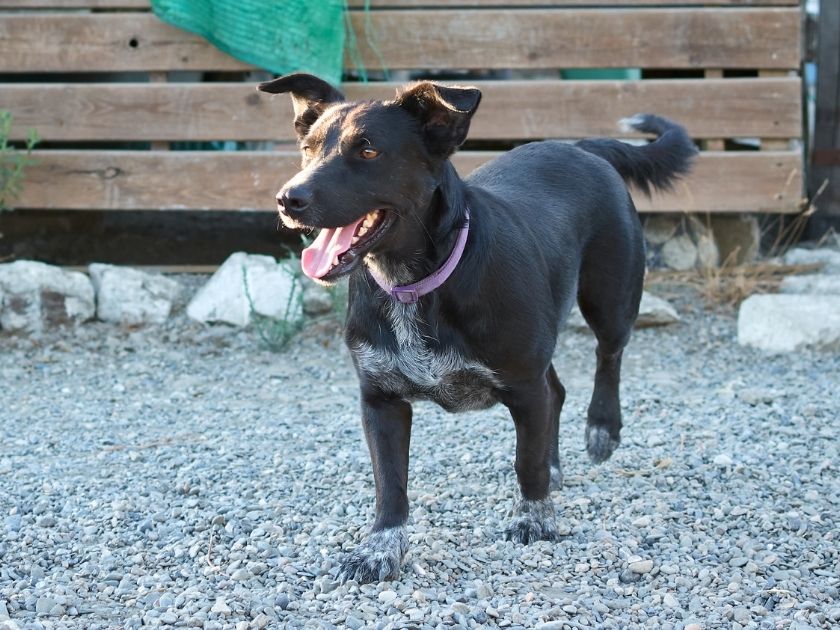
275, 333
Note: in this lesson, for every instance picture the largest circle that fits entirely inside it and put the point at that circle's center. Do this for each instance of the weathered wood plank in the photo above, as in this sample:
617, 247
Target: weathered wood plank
714, 144
75, 4
569, 38
380, 4
377, 4
715, 108
180, 180
433, 39
767, 143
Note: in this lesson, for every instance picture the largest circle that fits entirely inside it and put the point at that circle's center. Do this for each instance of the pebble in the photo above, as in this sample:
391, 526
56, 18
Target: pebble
723, 460
386, 597
241, 575
628, 576
220, 607
44, 605
353, 623
230, 498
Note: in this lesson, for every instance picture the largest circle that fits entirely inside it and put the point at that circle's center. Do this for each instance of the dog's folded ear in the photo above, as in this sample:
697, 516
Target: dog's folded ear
310, 97
444, 113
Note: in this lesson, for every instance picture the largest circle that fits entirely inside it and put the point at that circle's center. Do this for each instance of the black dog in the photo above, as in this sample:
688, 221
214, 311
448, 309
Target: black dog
548, 223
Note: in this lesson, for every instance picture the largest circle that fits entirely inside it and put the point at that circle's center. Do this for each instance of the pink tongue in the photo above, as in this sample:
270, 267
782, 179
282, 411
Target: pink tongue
317, 259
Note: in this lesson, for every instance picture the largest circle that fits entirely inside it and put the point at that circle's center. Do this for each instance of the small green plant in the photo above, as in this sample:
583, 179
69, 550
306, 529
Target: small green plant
13, 161
275, 333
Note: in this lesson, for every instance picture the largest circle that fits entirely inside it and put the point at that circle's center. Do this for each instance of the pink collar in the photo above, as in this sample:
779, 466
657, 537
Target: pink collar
411, 293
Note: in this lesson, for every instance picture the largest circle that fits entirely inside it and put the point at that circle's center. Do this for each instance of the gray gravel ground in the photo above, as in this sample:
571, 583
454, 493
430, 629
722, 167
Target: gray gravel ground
183, 476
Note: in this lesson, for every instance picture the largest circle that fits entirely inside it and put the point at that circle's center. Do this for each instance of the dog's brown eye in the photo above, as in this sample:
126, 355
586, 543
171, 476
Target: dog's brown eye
368, 153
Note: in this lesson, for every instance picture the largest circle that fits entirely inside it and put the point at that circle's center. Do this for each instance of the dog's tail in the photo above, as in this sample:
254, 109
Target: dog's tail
657, 164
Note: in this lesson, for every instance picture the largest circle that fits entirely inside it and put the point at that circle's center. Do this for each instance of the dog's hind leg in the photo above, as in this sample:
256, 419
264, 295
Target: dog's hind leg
609, 293
387, 425
559, 397
532, 406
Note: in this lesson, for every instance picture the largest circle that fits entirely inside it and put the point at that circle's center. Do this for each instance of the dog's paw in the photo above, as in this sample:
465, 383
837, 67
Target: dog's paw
378, 557
533, 521
556, 480
599, 443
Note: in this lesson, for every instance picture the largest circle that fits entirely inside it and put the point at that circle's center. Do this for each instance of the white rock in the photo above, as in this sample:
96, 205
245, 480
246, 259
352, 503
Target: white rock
35, 296
737, 236
680, 253
220, 607
132, 297
708, 255
317, 301
653, 311
784, 323
816, 284
723, 460
660, 227
641, 566
273, 288
829, 258
386, 597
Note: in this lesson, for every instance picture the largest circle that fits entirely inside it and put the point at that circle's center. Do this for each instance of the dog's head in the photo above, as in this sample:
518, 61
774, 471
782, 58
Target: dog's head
370, 169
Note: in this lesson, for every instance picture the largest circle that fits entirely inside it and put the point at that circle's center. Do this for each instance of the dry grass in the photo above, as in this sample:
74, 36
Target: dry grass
730, 284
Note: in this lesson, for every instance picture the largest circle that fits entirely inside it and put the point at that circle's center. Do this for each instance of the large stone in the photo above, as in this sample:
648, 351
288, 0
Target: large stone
660, 227
701, 233
653, 311
785, 323
680, 242
131, 297
247, 284
679, 253
814, 284
738, 237
317, 301
828, 258
36, 296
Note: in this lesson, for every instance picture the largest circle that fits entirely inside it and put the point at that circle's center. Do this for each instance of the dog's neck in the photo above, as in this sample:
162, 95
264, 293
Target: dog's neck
432, 244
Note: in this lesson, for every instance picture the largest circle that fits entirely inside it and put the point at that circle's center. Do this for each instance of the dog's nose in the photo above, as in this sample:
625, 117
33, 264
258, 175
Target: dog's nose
294, 200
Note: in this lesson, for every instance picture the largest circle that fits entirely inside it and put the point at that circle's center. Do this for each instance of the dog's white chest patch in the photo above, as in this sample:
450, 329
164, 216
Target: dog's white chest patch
415, 370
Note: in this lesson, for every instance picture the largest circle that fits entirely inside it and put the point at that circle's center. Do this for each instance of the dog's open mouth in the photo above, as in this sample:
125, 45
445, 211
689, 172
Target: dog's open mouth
336, 251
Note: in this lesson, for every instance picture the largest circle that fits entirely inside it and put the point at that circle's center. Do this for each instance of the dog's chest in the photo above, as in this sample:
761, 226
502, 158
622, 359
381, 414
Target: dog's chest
419, 369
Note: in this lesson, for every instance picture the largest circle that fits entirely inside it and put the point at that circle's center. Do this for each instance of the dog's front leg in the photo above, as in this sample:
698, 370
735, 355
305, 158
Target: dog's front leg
387, 425
531, 406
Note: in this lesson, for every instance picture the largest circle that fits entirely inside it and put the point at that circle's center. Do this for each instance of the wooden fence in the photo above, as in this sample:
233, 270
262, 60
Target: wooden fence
727, 69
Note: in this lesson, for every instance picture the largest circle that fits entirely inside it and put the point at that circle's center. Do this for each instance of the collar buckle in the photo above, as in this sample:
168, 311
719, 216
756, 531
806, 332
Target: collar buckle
405, 295
411, 293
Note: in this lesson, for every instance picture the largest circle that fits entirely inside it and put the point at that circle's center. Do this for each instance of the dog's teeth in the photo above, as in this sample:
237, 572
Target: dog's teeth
355, 240
362, 230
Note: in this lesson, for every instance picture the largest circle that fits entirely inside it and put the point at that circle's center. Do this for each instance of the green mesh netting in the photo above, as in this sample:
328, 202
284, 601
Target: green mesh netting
278, 35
